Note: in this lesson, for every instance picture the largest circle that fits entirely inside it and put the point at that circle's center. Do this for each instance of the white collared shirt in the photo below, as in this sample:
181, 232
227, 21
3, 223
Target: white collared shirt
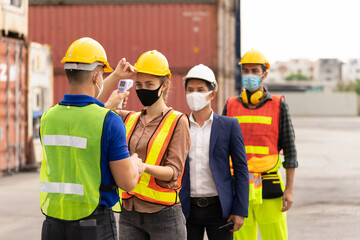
201, 179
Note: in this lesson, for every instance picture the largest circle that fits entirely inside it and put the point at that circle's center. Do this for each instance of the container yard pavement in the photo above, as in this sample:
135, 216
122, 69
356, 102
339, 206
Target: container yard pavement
326, 191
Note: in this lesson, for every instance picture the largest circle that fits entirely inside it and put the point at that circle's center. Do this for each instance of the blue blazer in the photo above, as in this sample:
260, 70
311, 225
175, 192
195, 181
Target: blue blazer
225, 140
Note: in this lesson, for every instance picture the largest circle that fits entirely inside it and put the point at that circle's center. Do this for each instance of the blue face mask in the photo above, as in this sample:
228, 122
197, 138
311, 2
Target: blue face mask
251, 82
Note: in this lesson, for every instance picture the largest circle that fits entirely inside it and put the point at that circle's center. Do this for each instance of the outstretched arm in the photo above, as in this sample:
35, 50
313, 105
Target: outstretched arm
123, 70
163, 173
126, 172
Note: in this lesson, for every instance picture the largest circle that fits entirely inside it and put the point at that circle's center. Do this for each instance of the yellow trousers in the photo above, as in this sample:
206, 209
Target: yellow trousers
268, 216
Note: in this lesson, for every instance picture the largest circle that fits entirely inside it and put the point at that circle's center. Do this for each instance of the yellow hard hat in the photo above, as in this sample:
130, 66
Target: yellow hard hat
254, 56
86, 50
154, 63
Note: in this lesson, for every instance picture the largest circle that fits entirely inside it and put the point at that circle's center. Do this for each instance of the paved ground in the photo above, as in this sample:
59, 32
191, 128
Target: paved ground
327, 194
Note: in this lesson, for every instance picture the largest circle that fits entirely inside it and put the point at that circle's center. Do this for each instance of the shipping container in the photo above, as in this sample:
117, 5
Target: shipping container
226, 58
40, 95
186, 33
78, 2
13, 105
14, 18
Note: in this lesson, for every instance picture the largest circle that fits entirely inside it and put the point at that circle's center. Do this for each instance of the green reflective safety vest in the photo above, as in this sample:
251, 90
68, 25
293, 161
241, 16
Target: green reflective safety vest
70, 174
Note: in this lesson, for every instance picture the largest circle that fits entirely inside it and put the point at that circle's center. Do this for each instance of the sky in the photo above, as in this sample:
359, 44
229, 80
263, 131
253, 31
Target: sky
311, 29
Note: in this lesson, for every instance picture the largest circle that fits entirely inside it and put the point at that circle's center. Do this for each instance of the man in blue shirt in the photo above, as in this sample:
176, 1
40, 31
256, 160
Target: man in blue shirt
85, 151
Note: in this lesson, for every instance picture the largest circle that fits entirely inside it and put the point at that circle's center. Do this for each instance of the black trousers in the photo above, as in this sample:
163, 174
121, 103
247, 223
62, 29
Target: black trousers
101, 225
207, 218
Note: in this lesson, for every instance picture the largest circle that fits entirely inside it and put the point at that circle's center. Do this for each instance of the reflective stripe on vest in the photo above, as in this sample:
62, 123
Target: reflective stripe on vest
254, 119
70, 174
58, 187
147, 188
66, 141
257, 150
255, 188
130, 122
255, 178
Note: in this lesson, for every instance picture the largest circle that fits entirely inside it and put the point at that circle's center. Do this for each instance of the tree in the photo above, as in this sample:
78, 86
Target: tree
349, 87
297, 76
357, 87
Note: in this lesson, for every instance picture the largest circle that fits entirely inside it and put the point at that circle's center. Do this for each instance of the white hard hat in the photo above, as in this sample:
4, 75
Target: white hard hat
204, 73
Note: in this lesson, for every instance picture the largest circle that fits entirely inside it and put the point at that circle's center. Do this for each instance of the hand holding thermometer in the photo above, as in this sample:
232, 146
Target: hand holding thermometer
124, 85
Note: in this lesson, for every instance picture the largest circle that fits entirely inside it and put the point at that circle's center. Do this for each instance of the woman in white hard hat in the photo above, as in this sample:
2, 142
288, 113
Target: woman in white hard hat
160, 136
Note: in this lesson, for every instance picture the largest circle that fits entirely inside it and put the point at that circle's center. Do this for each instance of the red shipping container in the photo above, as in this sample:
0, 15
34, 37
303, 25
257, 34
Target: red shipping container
128, 31
186, 33
13, 105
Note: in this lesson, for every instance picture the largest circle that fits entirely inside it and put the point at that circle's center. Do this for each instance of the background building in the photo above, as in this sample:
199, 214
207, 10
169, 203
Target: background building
328, 73
351, 70
281, 72
305, 75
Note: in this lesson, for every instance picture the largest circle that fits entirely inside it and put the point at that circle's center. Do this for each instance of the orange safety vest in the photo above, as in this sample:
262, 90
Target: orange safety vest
147, 189
260, 128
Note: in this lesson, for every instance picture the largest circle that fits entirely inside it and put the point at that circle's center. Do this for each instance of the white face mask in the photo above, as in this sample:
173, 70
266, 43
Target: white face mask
197, 100
100, 89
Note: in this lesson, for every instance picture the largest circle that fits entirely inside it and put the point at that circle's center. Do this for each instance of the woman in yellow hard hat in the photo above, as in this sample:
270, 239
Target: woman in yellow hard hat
161, 138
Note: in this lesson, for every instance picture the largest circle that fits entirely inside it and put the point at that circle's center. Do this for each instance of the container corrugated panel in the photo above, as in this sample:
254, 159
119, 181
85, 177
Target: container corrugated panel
14, 18
71, 2
13, 55
185, 33
226, 52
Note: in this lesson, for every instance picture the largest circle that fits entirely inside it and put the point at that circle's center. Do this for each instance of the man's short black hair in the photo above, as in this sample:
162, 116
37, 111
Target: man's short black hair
79, 76
208, 84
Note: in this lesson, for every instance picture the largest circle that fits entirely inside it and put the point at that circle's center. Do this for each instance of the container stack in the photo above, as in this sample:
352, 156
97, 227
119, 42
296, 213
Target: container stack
186, 32
13, 84
25, 88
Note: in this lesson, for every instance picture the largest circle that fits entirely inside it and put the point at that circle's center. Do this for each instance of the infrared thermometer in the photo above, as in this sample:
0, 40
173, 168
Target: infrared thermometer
124, 85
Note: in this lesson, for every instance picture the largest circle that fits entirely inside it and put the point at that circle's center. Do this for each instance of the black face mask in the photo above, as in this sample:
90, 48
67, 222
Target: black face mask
148, 97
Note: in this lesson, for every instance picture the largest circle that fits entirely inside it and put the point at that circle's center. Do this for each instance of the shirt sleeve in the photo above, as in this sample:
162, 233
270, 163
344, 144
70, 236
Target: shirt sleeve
177, 152
287, 137
116, 138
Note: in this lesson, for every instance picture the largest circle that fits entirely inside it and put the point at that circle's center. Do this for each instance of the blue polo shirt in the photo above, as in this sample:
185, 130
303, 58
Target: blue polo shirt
114, 146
